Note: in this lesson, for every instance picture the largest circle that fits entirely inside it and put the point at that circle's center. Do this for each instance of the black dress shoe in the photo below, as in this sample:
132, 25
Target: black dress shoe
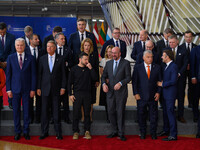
10, 106
170, 138
198, 136
43, 136
112, 135
154, 136
122, 138
68, 121
17, 137
163, 133
27, 136
143, 136
59, 137
195, 119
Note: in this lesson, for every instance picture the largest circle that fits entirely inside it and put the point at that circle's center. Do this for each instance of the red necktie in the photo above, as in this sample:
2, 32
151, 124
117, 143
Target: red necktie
148, 72
2, 41
20, 61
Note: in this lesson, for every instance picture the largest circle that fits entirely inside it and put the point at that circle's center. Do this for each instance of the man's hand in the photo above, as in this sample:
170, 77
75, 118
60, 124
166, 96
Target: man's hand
62, 91
38, 92
72, 98
194, 81
159, 83
105, 88
137, 97
157, 96
89, 66
10, 95
117, 86
32, 94
96, 84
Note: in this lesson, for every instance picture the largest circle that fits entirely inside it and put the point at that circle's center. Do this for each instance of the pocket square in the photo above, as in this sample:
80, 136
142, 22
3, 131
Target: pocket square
179, 54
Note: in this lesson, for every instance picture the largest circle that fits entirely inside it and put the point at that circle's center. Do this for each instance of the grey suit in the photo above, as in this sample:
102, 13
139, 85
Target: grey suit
116, 100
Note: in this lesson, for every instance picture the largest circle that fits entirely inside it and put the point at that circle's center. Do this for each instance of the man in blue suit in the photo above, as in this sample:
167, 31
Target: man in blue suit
169, 85
21, 84
7, 47
116, 42
76, 38
139, 46
144, 81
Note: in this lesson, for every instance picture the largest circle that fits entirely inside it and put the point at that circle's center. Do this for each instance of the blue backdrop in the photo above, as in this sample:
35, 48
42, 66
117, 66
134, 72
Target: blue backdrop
42, 26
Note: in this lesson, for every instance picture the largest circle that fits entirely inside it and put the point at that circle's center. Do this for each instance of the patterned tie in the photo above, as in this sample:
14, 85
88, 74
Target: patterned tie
2, 41
148, 71
117, 44
51, 63
115, 69
34, 53
82, 37
20, 61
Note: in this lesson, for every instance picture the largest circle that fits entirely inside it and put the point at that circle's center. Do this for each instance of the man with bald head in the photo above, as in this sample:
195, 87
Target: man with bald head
139, 46
118, 73
149, 45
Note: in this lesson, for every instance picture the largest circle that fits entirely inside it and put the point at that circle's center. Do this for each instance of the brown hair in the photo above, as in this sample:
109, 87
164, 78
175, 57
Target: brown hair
169, 53
89, 41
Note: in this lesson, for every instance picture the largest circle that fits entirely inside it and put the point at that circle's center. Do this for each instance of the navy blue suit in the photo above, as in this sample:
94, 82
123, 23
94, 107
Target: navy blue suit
195, 71
137, 48
146, 88
20, 82
111, 42
75, 43
170, 75
9, 47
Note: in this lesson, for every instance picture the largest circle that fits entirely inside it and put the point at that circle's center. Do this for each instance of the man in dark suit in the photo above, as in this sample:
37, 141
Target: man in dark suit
195, 79
116, 42
65, 52
169, 85
118, 72
35, 51
161, 44
188, 45
145, 89
56, 30
149, 46
77, 37
181, 60
51, 85
7, 47
139, 46
21, 84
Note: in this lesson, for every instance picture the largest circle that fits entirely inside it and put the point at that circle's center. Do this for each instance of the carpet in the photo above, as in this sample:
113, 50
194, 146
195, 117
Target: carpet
103, 143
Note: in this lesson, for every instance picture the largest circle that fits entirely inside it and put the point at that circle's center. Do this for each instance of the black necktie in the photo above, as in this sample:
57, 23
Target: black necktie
143, 46
82, 37
167, 45
117, 44
60, 52
34, 53
188, 47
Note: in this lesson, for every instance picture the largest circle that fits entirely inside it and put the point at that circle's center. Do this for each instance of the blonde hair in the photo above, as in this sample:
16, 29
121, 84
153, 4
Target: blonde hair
106, 52
89, 41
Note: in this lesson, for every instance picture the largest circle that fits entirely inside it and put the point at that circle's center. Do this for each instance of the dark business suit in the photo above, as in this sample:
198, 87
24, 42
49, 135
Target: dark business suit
45, 41
137, 48
156, 58
38, 98
170, 75
50, 84
160, 45
20, 82
111, 42
190, 91
75, 44
9, 47
195, 70
116, 100
181, 60
146, 88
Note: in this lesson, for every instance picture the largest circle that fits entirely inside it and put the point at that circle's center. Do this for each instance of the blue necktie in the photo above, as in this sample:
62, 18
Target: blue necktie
117, 44
34, 53
51, 63
115, 69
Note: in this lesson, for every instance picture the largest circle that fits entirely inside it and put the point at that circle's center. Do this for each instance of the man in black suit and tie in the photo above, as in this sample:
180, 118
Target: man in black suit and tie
118, 73
164, 43
116, 42
56, 30
35, 51
51, 85
76, 38
181, 60
139, 46
7, 47
149, 46
188, 45
144, 81
66, 53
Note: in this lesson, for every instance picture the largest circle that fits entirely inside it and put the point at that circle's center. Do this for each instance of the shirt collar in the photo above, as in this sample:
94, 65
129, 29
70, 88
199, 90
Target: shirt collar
53, 56
22, 54
147, 65
115, 40
168, 63
84, 33
33, 47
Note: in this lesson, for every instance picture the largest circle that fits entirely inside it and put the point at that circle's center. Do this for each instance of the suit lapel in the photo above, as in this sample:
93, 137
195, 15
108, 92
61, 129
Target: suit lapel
55, 63
78, 37
16, 61
144, 70
119, 65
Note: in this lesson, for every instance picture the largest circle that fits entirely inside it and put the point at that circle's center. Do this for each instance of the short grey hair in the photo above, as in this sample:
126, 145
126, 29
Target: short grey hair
20, 39
58, 34
51, 41
147, 52
28, 29
149, 41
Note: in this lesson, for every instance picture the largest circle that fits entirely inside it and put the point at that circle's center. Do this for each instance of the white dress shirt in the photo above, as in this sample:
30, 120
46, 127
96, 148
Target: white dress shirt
80, 35
168, 64
116, 43
27, 40
18, 56
32, 51
58, 50
146, 68
187, 46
